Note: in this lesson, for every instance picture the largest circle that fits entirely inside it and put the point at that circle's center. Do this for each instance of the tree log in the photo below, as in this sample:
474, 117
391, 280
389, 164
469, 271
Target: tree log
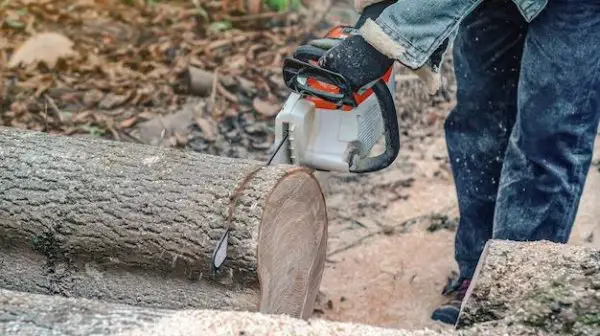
136, 224
546, 286
26, 314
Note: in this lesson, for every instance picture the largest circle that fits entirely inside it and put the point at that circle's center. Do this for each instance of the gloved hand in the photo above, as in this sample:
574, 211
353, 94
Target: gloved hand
356, 60
361, 61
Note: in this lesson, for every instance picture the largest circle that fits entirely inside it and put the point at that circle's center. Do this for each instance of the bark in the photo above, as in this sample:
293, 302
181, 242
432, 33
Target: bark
26, 314
138, 224
548, 287
33, 314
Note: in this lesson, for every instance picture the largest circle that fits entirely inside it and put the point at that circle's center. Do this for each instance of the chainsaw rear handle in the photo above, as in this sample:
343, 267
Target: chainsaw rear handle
387, 106
296, 74
390, 133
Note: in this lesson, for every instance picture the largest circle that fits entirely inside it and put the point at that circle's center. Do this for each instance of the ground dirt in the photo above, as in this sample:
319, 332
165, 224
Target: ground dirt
390, 251
395, 279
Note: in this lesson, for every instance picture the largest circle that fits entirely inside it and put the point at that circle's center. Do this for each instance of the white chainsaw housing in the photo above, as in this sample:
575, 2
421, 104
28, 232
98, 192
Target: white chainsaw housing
326, 139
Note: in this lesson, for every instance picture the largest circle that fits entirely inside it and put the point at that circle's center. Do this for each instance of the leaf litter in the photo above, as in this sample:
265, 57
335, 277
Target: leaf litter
122, 69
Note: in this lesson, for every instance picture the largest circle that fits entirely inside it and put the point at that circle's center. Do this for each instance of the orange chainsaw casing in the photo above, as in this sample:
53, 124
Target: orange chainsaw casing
338, 33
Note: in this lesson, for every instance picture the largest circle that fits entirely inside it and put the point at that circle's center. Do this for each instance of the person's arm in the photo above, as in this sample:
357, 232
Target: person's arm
415, 33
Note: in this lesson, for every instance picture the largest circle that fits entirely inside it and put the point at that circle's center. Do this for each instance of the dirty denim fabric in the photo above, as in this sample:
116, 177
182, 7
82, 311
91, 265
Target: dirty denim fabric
424, 29
520, 139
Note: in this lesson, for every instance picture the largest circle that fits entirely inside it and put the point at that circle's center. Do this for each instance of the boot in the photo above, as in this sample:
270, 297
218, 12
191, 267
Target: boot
448, 313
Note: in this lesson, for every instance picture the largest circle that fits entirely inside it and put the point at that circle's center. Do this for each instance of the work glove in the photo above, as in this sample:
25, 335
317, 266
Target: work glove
356, 60
366, 56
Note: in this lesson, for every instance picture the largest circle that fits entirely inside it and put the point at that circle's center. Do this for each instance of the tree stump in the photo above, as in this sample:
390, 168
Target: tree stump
540, 286
136, 224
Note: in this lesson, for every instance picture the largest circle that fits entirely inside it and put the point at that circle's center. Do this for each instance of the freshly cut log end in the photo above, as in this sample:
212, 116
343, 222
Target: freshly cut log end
135, 224
544, 286
292, 245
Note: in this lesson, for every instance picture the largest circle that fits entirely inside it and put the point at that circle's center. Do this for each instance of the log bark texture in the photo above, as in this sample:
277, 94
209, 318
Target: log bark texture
544, 287
26, 314
138, 224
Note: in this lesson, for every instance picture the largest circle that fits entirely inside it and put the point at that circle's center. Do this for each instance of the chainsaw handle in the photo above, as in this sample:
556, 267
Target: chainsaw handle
296, 74
390, 131
307, 53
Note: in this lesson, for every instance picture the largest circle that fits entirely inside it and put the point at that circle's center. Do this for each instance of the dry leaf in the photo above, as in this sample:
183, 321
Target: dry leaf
46, 48
112, 100
265, 108
92, 97
153, 130
127, 123
208, 128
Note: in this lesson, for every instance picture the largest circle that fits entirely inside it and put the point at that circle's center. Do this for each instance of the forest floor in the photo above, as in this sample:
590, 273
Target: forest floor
118, 69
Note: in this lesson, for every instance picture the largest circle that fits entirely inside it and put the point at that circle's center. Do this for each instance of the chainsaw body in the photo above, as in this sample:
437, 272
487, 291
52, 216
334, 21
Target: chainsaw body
326, 126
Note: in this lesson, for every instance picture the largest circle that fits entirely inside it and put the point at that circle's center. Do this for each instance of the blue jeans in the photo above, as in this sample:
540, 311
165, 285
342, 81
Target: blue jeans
521, 137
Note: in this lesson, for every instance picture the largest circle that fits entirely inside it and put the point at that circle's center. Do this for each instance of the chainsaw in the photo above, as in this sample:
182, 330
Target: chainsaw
326, 126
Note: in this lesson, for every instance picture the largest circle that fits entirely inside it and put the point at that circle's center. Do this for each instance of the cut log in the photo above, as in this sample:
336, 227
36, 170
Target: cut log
136, 224
35, 314
547, 286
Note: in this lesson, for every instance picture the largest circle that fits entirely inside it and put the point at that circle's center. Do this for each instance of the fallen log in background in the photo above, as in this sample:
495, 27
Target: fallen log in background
551, 287
138, 224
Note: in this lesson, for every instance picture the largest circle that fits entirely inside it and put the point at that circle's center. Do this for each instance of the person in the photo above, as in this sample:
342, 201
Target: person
521, 136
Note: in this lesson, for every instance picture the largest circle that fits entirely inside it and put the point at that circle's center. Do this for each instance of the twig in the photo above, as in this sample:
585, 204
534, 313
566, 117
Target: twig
131, 136
354, 244
405, 224
213, 92
45, 117
223, 91
55, 108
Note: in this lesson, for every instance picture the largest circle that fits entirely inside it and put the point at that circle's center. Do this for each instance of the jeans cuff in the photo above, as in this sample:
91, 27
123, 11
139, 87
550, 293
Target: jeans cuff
467, 270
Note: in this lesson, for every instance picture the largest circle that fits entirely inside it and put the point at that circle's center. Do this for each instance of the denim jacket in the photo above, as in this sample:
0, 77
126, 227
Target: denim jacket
418, 33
